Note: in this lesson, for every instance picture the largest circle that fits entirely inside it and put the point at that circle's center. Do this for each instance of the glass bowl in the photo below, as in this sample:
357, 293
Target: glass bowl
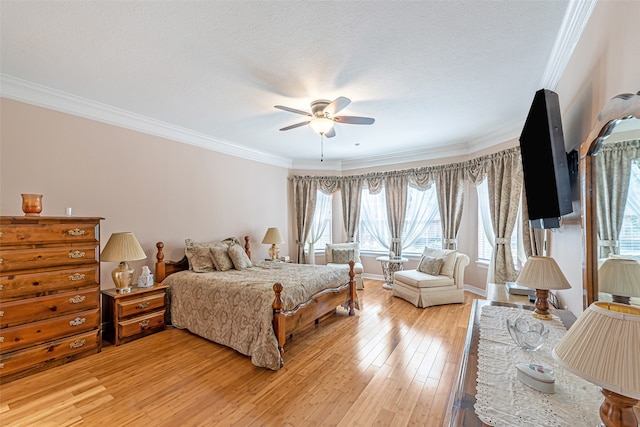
527, 333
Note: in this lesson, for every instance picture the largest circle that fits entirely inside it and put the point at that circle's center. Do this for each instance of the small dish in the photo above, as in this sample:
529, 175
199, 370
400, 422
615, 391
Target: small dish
527, 333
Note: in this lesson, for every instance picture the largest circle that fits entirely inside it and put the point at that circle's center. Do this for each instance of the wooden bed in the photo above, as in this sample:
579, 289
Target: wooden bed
284, 322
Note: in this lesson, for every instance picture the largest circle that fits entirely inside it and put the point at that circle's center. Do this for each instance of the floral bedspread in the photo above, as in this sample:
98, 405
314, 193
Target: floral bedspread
234, 307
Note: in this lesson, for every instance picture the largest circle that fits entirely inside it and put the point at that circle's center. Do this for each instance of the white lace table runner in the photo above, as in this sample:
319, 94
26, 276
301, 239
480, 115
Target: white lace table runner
503, 400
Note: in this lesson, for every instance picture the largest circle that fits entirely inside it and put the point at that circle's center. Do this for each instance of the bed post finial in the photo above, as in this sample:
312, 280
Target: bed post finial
160, 254
160, 270
279, 326
246, 246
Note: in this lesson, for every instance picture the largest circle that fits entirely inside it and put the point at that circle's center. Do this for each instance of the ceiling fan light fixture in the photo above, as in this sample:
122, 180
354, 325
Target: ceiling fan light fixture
321, 125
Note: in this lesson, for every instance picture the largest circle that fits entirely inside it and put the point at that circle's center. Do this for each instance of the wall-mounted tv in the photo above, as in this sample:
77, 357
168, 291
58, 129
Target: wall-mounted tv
544, 162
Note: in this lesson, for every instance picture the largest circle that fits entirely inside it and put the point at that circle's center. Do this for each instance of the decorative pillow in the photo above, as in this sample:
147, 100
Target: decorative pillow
430, 265
329, 247
199, 256
239, 257
221, 258
343, 256
449, 262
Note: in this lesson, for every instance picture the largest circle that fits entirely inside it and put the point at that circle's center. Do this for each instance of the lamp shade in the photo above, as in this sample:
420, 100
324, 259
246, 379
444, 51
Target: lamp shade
122, 247
603, 347
542, 272
273, 236
618, 276
321, 125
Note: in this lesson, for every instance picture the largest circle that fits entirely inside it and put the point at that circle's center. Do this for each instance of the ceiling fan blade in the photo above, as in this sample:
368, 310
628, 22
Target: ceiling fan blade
338, 104
330, 133
293, 110
297, 125
353, 120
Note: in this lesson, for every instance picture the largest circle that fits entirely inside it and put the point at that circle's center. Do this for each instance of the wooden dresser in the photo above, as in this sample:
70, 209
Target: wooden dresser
49, 292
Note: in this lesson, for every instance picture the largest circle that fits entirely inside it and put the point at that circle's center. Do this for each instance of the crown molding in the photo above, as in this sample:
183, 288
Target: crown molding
42, 96
575, 19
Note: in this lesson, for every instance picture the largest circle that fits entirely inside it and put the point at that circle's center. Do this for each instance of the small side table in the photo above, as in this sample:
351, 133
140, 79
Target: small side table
390, 266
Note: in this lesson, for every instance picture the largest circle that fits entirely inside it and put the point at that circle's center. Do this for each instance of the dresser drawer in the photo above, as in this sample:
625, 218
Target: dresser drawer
34, 356
21, 259
141, 324
32, 309
140, 305
34, 284
69, 232
17, 337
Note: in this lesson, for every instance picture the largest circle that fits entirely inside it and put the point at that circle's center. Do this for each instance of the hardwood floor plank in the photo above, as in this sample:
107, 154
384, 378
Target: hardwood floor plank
391, 364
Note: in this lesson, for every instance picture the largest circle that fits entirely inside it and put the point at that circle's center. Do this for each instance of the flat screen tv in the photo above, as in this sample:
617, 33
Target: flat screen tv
544, 162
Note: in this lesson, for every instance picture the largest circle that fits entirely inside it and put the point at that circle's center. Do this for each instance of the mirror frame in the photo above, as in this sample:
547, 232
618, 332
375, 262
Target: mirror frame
621, 107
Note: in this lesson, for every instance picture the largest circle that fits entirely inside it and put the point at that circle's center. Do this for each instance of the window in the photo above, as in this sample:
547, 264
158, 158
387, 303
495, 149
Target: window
421, 227
485, 229
630, 230
320, 233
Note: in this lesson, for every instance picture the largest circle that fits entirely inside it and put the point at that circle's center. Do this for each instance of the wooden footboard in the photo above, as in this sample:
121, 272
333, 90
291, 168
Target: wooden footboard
285, 323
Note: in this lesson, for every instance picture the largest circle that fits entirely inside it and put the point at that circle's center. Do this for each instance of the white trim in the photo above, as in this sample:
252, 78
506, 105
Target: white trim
575, 19
474, 290
42, 96
379, 277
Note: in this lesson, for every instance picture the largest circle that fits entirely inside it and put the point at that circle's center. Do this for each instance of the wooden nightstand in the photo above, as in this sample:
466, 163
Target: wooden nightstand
133, 315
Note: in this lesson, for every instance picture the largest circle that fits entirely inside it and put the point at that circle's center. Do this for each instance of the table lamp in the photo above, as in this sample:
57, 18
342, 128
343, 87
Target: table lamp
273, 237
122, 247
543, 274
603, 347
620, 278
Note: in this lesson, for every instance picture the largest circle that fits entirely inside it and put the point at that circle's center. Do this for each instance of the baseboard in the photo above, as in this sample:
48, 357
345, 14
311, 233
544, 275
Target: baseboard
474, 290
373, 276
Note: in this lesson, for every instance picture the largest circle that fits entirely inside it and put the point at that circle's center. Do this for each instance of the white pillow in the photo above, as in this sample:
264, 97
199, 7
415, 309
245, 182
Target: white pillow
449, 261
329, 247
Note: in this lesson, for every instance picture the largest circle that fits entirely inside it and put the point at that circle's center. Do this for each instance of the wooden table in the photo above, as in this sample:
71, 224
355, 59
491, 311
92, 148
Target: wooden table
462, 401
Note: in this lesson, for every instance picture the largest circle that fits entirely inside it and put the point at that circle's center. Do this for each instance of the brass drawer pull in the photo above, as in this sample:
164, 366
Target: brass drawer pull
142, 305
78, 343
76, 232
1, 365
145, 323
75, 277
1, 287
1, 260
1, 339
76, 254
77, 299
77, 321
1, 313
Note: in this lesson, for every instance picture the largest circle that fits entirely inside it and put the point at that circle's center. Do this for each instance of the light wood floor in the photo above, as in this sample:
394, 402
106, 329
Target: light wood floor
392, 364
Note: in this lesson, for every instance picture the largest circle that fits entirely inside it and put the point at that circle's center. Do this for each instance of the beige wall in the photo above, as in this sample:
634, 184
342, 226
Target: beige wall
157, 188
604, 64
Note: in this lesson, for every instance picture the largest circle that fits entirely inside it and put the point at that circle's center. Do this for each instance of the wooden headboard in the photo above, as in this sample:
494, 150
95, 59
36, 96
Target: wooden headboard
167, 268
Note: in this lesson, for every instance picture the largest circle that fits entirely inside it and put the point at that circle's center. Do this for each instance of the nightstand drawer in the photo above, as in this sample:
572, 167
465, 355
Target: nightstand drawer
59, 349
22, 336
33, 309
44, 283
22, 259
136, 306
142, 324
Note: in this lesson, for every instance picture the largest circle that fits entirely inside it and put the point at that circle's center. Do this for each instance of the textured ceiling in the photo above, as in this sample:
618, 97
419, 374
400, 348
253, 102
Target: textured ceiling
438, 76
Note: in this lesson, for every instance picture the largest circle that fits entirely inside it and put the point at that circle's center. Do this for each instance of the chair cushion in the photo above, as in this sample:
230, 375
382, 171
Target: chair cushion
430, 265
418, 279
329, 247
449, 262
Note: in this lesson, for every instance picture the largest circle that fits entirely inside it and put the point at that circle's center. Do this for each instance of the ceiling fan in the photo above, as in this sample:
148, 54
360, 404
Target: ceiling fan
323, 116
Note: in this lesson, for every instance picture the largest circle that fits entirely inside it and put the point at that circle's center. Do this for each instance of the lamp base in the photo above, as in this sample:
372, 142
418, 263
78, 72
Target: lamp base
274, 252
122, 276
542, 305
617, 410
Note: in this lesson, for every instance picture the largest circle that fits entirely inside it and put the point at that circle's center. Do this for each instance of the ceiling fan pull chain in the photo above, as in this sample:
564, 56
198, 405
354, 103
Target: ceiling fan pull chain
321, 148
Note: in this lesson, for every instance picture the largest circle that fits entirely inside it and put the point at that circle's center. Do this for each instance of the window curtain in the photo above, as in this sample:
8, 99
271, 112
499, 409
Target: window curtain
304, 198
318, 225
449, 183
374, 217
396, 193
612, 187
351, 192
504, 179
485, 215
533, 239
424, 205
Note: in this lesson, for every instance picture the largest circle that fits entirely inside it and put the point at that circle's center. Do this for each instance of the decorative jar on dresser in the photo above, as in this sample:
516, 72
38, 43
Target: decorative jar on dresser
49, 292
